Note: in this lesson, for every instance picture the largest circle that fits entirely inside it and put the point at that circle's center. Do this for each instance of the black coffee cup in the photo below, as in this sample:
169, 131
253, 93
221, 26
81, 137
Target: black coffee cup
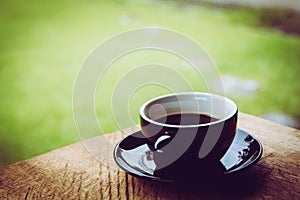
188, 129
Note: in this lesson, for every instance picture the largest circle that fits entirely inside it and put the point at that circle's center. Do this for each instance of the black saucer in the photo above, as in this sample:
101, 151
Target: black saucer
133, 155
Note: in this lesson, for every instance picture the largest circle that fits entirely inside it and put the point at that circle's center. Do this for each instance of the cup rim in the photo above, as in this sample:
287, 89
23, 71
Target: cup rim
142, 109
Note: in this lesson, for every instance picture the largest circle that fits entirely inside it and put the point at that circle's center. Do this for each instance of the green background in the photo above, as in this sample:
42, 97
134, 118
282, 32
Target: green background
43, 44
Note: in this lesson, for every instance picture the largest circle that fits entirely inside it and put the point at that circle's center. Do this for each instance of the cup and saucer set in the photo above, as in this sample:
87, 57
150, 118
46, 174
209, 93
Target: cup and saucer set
187, 137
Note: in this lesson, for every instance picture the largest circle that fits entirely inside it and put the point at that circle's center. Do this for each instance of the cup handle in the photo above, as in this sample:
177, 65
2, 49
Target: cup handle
163, 140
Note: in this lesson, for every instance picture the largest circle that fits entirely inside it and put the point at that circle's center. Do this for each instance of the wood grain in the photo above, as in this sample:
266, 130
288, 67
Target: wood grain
73, 172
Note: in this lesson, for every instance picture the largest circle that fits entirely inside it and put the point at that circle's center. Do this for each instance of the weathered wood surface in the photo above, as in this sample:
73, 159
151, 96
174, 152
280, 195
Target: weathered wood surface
72, 173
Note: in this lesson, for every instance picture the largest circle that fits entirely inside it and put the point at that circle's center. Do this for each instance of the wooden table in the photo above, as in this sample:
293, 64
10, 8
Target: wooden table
72, 173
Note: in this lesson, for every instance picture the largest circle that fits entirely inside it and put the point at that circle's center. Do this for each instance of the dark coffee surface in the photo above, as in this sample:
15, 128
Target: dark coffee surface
186, 119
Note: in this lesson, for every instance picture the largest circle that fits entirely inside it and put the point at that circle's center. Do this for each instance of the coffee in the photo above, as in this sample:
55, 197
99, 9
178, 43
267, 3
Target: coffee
189, 133
186, 119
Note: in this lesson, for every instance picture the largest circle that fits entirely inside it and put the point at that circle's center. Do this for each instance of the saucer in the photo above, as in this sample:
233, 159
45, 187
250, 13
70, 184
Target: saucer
133, 155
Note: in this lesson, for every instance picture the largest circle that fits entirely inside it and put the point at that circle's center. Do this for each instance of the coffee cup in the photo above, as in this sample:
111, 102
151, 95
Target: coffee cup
188, 129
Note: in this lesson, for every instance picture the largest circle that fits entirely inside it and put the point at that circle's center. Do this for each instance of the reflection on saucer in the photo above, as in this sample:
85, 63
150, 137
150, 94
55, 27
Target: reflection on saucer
244, 149
135, 155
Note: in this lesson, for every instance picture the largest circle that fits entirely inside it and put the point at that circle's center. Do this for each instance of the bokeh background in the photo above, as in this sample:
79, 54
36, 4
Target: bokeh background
256, 48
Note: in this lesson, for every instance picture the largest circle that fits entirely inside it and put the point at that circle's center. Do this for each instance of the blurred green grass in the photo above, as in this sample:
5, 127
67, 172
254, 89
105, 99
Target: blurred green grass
43, 44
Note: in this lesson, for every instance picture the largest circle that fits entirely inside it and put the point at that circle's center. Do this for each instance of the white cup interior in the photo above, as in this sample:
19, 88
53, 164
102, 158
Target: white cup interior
215, 106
